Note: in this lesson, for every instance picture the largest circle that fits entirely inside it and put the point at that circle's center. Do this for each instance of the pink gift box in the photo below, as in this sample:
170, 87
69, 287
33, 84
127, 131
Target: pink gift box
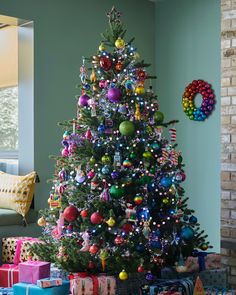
31, 271
213, 261
106, 285
192, 264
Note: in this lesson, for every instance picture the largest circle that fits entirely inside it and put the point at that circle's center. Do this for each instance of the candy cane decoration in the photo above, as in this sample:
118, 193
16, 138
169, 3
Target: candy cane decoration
172, 134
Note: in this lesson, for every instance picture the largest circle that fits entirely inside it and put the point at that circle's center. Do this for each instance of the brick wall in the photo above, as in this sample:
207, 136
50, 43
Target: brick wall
228, 137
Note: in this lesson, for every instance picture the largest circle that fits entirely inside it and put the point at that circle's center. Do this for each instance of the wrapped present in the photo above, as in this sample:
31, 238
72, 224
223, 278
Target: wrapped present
59, 273
30, 289
213, 290
106, 285
9, 275
83, 283
31, 271
192, 264
170, 273
214, 277
132, 285
203, 261
6, 291
17, 249
49, 282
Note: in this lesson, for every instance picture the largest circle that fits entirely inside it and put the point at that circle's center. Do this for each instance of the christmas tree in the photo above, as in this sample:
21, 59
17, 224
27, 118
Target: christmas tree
117, 204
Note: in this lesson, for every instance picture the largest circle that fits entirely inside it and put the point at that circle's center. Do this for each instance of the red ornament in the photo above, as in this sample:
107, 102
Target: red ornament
96, 218
88, 134
118, 240
119, 66
105, 63
84, 213
91, 265
71, 213
93, 249
127, 228
140, 268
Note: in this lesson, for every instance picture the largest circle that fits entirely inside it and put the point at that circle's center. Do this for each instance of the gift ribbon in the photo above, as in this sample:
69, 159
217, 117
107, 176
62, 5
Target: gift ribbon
10, 273
19, 243
83, 275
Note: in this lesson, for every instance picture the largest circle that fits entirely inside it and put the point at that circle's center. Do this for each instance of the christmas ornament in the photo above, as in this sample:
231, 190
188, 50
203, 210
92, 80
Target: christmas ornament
117, 159
166, 182
146, 229
165, 201
127, 228
55, 201
137, 114
158, 117
133, 156
93, 249
141, 75
65, 152
86, 242
105, 170
91, 265
114, 175
147, 155
127, 163
66, 135
187, 233
103, 256
83, 100
71, 213
141, 268
119, 240
149, 277
111, 222
173, 134
143, 214
105, 63
105, 196
120, 43
118, 66
41, 221
138, 200
180, 176
80, 176
96, 218
123, 275
122, 109
102, 47
116, 192
106, 159
84, 213
139, 90
62, 175
91, 174
207, 104
88, 134
92, 160
140, 248
127, 128
193, 219
114, 95
204, 246
93, 77
101, 128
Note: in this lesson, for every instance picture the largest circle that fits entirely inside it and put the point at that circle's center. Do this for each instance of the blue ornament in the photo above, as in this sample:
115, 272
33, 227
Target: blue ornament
166, 182
105, 169
86, 86
65, 143
155, 244
114, 174
101, 128
187, 233
150, 277
185, 218
143, 214
155, 145
140, 248
193, 219
150, 187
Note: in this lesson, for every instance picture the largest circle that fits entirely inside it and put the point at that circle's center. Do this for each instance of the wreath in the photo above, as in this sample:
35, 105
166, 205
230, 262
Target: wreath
208, 100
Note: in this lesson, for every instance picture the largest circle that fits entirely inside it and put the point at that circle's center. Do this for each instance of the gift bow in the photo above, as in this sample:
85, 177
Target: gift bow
19, 243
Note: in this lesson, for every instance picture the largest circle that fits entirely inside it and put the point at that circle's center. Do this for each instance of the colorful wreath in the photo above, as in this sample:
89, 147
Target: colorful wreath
208, 100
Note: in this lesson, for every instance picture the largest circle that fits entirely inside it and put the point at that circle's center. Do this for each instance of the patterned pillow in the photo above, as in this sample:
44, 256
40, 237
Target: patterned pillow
16, 192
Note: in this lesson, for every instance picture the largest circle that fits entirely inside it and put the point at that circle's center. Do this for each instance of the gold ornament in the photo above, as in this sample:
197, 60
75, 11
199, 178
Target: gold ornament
137, 114
93, 77
123, 275
102, 47
120, 43
140, 90
41, 221
111, 222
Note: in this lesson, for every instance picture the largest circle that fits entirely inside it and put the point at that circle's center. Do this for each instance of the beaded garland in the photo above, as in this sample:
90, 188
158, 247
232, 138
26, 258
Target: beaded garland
208, 100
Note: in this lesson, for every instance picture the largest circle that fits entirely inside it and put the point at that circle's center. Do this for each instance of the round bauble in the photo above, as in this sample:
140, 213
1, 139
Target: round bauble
140, 268
127, 163
90, 174
139, 90
41, 221
123, 275
96, 218
65, 152
93, 249
127, 227
111, 222
150, 277
166, 182
158, 117
92, 161
193, 219
83, 100
116, 192
71, 213
114, 95
114, 174
204, 246
133, 155
147, 155
187, 233
138, 200
180, 176
120, 43
105, 170
119, 66
84, 213
106, 159
127, 128
91, 265
102, 47
155, 145
119, 240
143, 214
165, 201
105, 63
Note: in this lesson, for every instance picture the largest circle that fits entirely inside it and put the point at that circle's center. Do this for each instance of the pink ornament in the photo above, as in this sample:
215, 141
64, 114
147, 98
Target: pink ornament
91, 174
105, 196
71, 148
114, 95
83, 100
96, 218
102, 84
65, 152
88, 134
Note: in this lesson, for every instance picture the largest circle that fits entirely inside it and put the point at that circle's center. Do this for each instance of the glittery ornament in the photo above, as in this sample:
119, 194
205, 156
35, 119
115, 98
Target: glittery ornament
105, 63
96, 218
119, 43
114, 95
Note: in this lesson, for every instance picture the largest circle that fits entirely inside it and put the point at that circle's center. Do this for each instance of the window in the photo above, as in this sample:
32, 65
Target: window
8, 98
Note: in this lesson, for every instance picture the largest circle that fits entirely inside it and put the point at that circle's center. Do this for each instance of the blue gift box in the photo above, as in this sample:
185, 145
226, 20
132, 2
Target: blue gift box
30, 289
6, 291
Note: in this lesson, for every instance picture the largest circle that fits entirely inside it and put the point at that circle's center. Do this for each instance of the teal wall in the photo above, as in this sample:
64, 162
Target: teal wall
188, 48
64, 31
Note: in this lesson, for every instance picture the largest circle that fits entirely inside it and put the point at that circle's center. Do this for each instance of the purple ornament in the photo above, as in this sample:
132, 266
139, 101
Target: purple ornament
83, 100
62, 175
65, 152
114, 95
114, 174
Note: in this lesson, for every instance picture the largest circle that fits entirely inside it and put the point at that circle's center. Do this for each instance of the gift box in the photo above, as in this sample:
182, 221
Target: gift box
83, 283
170, 273
214, 290
49, 282
6, 291
214, 277
106, 285
30, 289
31, 271
203, 261
9, 275
59, 273
17, 249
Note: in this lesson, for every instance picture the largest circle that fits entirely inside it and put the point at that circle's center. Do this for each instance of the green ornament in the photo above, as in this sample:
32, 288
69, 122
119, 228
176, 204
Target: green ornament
145, 179
133, 155
127, 128
92, 160
116, 192
155, 145
147, 155
106, 159
152, 170
158, 117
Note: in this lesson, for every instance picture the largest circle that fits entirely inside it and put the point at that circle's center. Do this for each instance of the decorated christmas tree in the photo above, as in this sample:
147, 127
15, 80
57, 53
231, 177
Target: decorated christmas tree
117, 204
